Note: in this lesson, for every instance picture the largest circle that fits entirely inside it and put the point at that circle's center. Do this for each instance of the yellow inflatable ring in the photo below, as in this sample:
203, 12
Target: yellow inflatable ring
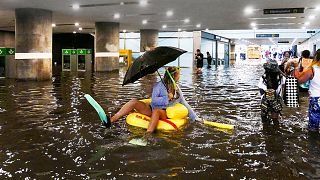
174, 123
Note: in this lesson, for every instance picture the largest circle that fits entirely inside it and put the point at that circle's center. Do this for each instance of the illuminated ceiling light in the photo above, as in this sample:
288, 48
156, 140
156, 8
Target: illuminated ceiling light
253, 24
169, 13
207, 29
76, 24
80, 28
303, 27
121, 3
53, 25
164, 26
187, 20
116, 16
124, 31
312, 17
143, 3
198, 25
307, 23
179, 30
75, 6
318, 8
74, 32
248, 10
144, 21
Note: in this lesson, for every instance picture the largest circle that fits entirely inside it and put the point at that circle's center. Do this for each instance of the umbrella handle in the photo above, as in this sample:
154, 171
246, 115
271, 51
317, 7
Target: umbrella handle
162, 80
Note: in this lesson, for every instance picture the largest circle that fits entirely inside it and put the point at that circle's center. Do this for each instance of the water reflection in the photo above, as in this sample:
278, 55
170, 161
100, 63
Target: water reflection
48, 130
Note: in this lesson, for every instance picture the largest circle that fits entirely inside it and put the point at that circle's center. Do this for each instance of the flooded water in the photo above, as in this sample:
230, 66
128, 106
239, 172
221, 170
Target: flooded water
48, 130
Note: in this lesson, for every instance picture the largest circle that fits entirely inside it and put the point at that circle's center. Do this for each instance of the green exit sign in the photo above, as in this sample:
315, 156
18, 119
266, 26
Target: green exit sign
76, 51
3, 51
11, 51
81, 51
7, 51
66, 51
73, 51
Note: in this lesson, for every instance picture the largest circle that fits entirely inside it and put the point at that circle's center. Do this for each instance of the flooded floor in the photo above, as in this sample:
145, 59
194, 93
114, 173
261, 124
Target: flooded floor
48, 130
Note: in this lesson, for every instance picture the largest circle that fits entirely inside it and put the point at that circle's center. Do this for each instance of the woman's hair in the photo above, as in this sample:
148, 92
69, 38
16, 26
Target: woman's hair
272, 80
272, 74
284, 53
305, 54
167, 80
316, 59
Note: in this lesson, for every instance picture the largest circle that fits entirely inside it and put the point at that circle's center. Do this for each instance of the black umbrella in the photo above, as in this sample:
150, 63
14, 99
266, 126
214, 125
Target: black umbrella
150, 62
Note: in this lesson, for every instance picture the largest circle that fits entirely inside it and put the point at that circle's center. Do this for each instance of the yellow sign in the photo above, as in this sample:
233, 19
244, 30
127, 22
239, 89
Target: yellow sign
126, 53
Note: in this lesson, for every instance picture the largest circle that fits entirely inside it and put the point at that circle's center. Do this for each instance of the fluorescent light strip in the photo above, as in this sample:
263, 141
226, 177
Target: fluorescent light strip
107, 54
33, 55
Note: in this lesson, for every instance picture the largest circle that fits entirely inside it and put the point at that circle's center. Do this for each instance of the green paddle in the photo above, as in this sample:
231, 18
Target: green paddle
103, 117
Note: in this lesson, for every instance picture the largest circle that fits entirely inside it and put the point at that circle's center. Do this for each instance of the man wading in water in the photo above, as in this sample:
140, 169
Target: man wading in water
270, 87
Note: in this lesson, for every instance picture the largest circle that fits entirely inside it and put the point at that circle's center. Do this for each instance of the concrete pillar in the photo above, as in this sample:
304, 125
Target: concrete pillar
148, 39
232, 52
196, 45
7, 40
106, 46
33, 44
216, 55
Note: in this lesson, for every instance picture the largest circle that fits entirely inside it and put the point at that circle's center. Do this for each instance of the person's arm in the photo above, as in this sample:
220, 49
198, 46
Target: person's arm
262, 87
158, 98
261, 84
192, 115
303, 76
288, 64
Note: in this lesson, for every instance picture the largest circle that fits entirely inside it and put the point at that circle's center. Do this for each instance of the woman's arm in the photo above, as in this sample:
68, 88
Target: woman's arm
303, 76
160, 95
192, 115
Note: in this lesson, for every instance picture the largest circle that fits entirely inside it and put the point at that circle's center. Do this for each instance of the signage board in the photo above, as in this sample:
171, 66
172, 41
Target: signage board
283, 11
267, 35
283, 42
81, 51
66, 51
10, 51
3, 51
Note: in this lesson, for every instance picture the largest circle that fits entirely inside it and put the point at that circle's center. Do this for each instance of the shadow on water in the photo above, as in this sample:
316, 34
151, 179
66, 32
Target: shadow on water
48, 130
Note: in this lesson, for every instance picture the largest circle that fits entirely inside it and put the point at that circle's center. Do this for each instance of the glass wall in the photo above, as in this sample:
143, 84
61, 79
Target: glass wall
131, 41
208, 45
182, 40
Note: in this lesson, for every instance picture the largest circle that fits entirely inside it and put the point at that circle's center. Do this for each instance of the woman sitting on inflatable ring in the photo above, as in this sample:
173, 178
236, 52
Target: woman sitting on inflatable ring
164, 94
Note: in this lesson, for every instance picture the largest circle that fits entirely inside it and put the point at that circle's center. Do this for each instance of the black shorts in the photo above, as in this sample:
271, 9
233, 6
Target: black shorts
199, 63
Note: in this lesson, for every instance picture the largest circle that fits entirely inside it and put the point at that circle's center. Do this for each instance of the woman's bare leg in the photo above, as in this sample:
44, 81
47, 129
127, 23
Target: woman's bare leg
156, 115
139, 106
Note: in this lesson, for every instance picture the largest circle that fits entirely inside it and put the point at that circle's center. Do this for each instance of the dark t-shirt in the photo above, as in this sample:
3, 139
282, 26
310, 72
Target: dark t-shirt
199, 59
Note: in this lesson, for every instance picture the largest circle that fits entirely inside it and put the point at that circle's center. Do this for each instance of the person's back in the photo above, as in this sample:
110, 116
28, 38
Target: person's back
314, 87
199, 60
270, 87
312, 74
209, 59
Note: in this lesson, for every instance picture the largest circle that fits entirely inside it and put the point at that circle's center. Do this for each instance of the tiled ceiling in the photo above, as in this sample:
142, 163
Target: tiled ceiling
211, 14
